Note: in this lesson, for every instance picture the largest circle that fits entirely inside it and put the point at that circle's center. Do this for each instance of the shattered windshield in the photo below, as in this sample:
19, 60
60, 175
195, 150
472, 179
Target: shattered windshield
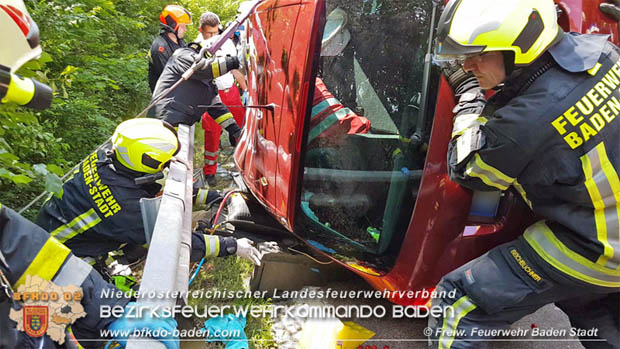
361, 175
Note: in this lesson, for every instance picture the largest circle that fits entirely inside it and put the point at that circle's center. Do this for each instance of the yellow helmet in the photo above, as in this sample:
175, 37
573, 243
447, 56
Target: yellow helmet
526, 27
145, 145
173, 15
19, 35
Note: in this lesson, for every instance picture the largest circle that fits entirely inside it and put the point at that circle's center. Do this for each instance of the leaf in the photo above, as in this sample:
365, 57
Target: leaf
40, 169
26, 118
68, 70
32, 65
5, 155
53, 184
45, 58
21, 179
22, 166
55, 169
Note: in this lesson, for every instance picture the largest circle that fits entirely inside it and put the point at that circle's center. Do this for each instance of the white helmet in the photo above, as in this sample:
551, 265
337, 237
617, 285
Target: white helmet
19, 35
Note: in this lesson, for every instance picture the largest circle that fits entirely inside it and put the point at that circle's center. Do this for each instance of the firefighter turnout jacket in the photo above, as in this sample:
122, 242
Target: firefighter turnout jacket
192, 98
552, 134
162, 48
27, 250
100, 212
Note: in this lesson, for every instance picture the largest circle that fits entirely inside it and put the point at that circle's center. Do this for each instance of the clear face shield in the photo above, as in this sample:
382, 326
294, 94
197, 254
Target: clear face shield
444, 55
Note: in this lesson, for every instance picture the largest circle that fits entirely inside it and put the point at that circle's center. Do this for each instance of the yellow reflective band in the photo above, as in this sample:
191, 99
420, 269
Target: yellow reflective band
201, 198
592, 71
212, 246
20, 90
223, 118
554, 252
604, 189
461, 307
612, 213
396, 152
521, 191
78, 225
487, 173
215, 68
47, 262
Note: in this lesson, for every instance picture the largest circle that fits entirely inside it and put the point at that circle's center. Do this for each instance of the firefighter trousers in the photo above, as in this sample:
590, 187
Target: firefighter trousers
488, 294
213, 131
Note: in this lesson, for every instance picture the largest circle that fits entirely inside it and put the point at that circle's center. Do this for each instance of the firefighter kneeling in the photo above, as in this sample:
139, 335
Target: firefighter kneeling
99, 211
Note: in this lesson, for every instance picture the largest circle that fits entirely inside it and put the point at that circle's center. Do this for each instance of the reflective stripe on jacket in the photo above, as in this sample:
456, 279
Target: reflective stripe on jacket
28, 251
555, 140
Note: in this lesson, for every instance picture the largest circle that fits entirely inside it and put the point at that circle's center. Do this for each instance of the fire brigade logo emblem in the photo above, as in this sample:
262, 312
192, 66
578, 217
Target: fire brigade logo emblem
36, 320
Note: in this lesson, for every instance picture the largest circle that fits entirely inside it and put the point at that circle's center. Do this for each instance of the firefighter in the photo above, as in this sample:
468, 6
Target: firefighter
189, 100
210, 28
174, 20
26, 249
99, 211
550, 133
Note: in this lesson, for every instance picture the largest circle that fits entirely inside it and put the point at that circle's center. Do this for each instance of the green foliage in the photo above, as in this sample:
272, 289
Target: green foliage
230, 274
95, 61
226, 9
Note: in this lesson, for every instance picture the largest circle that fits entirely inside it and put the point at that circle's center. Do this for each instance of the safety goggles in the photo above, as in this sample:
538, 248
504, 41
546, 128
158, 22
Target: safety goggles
458, 59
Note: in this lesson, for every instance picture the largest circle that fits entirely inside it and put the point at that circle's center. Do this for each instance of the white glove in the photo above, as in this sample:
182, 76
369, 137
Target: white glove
247, 251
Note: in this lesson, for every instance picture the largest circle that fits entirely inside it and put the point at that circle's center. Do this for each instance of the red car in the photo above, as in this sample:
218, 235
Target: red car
377, 200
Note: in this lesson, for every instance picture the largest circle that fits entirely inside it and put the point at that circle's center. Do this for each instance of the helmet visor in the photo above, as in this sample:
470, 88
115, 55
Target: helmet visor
448, 50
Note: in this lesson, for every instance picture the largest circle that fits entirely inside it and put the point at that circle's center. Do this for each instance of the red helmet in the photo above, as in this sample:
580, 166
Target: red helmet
173, 15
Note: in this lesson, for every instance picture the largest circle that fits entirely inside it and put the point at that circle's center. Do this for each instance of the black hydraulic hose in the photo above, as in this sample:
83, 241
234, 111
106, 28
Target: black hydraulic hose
418, 137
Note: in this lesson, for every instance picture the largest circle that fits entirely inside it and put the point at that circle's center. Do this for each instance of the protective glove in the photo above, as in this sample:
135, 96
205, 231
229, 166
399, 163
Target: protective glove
467, 93
268, 247
245, 249
124, 327
459, 80
612, 10
244, 97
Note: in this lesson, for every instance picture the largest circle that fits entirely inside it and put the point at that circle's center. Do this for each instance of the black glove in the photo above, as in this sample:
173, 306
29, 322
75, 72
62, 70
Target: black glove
460, 81
467, 93
612, 10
